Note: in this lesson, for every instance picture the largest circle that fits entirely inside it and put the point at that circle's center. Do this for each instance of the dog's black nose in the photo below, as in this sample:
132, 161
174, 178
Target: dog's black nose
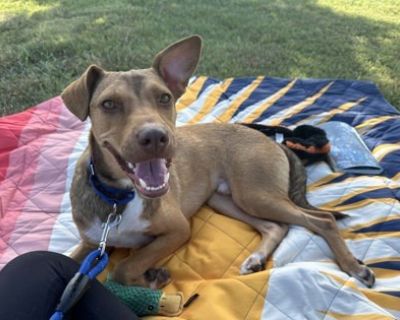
153, 139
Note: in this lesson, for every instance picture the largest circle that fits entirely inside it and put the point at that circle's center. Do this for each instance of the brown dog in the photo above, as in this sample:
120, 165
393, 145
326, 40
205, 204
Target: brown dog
174, 171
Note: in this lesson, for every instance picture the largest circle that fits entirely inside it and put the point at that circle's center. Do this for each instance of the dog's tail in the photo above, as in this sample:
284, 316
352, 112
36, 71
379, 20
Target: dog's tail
298, 185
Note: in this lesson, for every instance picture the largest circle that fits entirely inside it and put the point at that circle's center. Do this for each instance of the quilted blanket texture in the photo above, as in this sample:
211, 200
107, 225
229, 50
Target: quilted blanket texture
39, 148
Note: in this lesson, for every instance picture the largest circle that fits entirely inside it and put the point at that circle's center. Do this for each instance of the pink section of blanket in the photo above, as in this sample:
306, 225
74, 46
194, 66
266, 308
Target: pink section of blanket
40, 141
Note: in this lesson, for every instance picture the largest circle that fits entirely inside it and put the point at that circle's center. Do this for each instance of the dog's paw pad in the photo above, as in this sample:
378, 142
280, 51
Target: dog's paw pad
254, 263
157, 277
365, 275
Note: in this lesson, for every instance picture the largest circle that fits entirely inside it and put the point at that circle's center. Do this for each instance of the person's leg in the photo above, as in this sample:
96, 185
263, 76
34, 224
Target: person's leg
31, 286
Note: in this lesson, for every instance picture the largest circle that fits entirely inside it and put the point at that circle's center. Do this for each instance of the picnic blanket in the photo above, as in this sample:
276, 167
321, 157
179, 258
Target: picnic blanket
39, 148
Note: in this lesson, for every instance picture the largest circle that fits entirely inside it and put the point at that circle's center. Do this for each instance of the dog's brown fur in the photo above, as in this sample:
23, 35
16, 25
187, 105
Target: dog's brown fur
234, 169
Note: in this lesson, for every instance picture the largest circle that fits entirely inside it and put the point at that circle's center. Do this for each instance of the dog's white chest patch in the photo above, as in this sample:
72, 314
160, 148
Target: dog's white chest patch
130, 233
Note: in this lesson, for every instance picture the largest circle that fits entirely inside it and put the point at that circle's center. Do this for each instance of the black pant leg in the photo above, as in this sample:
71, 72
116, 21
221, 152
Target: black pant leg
31, 286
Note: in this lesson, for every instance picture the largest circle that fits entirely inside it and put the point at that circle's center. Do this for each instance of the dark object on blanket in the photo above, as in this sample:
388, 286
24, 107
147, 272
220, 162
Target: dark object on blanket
308, 135
349, 153
309, 143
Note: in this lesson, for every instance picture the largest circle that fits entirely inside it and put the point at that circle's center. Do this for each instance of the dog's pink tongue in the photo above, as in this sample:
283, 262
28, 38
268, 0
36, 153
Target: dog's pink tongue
152, 172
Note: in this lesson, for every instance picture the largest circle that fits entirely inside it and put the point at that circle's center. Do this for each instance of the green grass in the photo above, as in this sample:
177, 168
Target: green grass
46, 44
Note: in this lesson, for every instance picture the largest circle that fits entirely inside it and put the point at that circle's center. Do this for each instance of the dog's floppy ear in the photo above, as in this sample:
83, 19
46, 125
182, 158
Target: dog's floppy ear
177, 63
78, 94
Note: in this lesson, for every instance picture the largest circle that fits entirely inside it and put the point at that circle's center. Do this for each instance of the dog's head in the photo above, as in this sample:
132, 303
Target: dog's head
133, 113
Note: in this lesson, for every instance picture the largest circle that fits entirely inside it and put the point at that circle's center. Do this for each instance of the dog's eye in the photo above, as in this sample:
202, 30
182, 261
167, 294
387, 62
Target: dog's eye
165, 98
109, 105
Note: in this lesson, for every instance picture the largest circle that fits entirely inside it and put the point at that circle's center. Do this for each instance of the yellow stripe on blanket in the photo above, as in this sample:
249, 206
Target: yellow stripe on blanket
324, 117
227, 115
383, 300
383, 259
289, 112
335, 203
269, 102
191, 93
359, 316
385, 273
209, 265
371, 223
370, 123
384, 149
315, 185
359, 204
336, 193
396, 177
370, 235
211, 100
353, 182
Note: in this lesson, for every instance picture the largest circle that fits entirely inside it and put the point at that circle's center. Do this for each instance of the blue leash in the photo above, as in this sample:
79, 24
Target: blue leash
93, 264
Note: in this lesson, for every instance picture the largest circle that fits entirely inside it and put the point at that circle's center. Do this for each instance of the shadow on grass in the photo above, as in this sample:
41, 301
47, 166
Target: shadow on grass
43, 52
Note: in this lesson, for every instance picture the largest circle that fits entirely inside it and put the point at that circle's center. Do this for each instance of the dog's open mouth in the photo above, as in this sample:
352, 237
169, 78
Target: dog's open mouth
150, 177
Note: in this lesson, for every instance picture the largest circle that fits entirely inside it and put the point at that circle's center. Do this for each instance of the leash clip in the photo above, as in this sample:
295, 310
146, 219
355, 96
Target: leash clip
113, 220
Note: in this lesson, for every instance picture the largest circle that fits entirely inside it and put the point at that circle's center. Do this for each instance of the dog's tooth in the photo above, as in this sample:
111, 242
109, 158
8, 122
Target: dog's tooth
149, 188
160, 187
142, 183
130, 165
166, 178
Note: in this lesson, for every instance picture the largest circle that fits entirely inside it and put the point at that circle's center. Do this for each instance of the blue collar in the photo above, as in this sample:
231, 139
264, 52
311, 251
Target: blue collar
111, 195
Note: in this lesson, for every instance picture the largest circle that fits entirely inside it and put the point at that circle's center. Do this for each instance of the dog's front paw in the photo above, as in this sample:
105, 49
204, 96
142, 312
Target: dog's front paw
154, 278
254, 263
157, 278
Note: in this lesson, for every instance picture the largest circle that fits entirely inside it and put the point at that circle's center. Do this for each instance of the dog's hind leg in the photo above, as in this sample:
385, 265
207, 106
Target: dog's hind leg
272, 233
298, 187
277, 208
